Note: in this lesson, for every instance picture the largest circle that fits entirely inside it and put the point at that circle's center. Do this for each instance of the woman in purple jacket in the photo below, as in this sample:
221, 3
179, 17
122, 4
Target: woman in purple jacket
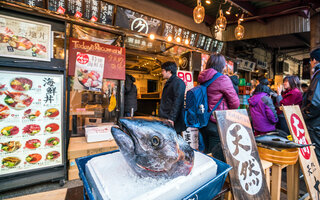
220, 88
262, 110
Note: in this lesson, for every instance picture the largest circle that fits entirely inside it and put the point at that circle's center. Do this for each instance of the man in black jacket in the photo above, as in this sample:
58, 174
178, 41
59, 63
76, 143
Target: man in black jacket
172, 99
130, 96
311, 102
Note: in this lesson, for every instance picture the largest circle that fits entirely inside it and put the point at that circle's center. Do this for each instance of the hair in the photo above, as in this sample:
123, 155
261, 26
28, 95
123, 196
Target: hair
315, 54
264, 81
294, 82
262, 88
217, 62
170, 66
304, 85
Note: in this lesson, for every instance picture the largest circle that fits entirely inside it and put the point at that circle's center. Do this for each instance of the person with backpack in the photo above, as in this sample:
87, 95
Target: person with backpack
221, 93
172, 98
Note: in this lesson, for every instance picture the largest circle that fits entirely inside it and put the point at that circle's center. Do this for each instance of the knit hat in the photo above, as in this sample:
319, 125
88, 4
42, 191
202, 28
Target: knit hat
315, 54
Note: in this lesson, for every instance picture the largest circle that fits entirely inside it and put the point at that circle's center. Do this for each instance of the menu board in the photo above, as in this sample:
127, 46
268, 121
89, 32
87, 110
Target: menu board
201, 41
74, 8
106, 13
54, 5
207, 44
30, 121
135, 21
91, 10
37, 3
193, 37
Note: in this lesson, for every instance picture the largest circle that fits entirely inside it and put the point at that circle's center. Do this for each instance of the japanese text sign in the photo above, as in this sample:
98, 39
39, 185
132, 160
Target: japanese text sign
113, 57
187, 78
307, 156
247, 177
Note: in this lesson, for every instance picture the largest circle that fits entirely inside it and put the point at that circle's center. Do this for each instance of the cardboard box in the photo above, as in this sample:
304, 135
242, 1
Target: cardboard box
78, 147
99, 133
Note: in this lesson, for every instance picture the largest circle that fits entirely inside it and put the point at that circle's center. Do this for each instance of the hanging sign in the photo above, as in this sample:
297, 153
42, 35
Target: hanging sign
57, 6
91, 10
187, 78
37, 3
74, 8
114, 57
135, 21
106, 13
307, 156
24, 39
239, 147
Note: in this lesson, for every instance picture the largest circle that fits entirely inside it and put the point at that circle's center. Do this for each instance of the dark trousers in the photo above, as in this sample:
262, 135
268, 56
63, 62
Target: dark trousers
282, 124
315, 138
211, 140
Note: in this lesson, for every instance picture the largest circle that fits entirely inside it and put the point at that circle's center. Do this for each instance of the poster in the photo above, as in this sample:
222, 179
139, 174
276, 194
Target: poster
24, 39
106, 13
89, 72
31, 117
187, 78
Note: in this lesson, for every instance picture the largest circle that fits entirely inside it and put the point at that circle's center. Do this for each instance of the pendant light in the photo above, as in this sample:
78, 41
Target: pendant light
221, 22
239, 31
198, 13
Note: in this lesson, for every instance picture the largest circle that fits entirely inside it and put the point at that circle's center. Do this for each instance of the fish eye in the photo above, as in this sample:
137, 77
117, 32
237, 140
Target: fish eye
155, 141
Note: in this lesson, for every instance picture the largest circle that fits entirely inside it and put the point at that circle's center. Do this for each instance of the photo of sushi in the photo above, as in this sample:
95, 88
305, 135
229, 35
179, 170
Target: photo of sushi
33, 158
51, 128
39, 49
4, 111
33, 144
53, 155
17, 100
21, 84
10, 162
53, 141
31, 114
31, 129
10, 146
2, 86
20, 43
89, 78
9, 131
52, 112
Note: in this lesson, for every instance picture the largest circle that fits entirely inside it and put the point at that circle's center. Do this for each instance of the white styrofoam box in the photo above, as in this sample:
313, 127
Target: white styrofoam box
110, 177
99, 133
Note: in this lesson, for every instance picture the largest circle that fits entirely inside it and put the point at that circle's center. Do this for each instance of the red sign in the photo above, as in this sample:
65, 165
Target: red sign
94, 19
114, 65
78, 14
61, 10
298, 129
187, 78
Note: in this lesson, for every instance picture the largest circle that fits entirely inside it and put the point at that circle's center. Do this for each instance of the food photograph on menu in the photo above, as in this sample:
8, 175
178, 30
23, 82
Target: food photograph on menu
24, 39
31, 121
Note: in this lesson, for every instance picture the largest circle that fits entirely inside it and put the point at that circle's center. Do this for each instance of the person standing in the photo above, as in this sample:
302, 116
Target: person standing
291, 96
222, 87
130, 96
311, 102
172, 98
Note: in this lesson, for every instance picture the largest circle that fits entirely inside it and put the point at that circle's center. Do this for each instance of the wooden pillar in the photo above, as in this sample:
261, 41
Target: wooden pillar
314, 30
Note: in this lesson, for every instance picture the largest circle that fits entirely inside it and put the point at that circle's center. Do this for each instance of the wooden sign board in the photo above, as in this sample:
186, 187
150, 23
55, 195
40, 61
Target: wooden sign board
239, 147
307, 156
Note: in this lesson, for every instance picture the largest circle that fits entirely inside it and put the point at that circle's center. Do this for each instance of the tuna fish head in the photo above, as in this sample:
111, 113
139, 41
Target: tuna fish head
152, 148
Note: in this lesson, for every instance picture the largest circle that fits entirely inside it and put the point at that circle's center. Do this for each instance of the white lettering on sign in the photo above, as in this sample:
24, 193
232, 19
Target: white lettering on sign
140, 25
187, 78
240, 147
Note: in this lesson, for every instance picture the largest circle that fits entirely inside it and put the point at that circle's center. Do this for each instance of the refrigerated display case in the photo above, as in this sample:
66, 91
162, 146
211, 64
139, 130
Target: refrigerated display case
32, 102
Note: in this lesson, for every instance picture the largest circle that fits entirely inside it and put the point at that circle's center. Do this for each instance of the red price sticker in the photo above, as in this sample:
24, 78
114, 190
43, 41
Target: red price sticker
94, 19
61, 10
299, 132
82, 58
78, 14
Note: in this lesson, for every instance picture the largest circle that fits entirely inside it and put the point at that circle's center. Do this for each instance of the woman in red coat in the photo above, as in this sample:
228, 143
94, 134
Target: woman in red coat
220, 88
291, 95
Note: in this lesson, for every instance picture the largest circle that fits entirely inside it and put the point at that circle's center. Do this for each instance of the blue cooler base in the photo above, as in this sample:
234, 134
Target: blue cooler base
94, 175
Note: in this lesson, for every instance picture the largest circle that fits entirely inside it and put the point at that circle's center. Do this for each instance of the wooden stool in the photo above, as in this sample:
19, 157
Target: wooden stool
292, 181
266, 165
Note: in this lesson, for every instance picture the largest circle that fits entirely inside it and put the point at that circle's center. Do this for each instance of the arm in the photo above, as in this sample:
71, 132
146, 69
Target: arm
270, 109
230, 94
178, 100
312, 109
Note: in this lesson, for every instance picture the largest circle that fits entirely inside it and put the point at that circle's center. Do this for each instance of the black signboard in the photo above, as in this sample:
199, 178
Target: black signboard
193, 39
201, 41
174, 31
306, 68
19, 1
106, 13
207, 44
91, 10
134, 21
37, 3
54, 5
74, 7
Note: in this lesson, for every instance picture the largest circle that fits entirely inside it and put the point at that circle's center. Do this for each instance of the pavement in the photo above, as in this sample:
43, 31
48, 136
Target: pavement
75, 189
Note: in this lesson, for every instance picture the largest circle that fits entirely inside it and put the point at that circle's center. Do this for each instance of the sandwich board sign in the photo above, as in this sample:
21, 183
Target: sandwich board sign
239, 147
307, 156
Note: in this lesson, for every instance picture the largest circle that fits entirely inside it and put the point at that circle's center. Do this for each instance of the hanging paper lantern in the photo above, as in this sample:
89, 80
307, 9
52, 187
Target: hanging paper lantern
198, 13
221, 22
239, 31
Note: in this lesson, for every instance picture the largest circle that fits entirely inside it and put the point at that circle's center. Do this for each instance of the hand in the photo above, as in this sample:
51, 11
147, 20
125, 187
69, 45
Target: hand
280, 87
171, 122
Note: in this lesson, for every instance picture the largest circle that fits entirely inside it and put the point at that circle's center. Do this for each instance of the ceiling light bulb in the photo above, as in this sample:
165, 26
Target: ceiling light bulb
186, 41
178, 39
221, 22
208, 2
169, 38
198, 13
152, 36
228, 12
241, 18
239, 31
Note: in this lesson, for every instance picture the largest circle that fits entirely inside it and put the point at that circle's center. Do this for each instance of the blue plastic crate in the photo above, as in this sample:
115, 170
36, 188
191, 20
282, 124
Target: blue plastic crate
207, 191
